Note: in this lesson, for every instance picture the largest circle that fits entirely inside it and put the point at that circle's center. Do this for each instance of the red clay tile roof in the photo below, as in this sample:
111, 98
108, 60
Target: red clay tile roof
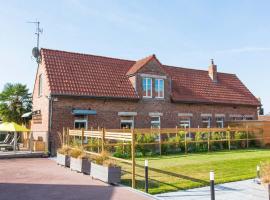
88, 75
190, 85
140, 64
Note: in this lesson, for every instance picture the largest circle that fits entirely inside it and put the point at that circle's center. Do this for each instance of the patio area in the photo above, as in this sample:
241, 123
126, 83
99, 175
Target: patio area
248, 190
42, 178
21, 154
16, 141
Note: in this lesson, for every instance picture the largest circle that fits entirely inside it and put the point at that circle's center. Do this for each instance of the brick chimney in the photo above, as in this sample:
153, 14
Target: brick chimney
212, 71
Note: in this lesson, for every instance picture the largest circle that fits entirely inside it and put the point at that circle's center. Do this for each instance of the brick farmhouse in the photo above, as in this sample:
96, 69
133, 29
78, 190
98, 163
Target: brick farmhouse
82, 91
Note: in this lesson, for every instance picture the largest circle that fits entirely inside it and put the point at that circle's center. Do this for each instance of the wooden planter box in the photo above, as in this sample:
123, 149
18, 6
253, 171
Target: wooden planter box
106, 174
80, 165
38, 146
63, 160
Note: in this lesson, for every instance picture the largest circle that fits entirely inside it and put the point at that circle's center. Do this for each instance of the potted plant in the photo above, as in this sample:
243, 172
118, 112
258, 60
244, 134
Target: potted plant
265, 172
104, 169
79, 161
63, 157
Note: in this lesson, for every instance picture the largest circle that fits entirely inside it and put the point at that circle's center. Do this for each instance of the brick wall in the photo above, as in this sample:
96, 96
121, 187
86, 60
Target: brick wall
107, 113
40, 122
107, 109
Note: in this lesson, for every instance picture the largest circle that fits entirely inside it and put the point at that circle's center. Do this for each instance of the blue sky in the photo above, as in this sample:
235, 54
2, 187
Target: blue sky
182, 33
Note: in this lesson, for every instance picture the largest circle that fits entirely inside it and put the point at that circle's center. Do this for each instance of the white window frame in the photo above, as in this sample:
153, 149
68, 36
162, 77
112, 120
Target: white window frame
127, 121
208, 121
220, 121
146, 87
185, 123
158, 85
82, 120
153, 122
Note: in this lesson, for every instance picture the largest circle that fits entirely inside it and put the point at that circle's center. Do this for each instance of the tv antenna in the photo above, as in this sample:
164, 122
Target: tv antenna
35, 50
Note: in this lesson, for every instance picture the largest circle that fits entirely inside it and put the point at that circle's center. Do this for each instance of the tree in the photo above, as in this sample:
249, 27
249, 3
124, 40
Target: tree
15, 100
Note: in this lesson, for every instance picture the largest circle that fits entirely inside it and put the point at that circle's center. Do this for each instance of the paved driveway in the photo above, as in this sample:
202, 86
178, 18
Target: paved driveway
241, 190
42, 179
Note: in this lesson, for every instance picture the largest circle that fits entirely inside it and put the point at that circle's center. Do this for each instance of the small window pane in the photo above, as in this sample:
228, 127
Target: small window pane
220, 122
206, 122
80, 124
159, 88
147, 87
155, 122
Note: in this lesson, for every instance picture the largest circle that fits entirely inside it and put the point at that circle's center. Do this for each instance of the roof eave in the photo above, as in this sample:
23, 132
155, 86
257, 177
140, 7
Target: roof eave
95, 97
212, 102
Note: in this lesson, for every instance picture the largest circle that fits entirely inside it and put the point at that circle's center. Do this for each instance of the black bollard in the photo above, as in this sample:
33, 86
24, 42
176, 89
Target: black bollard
212, 185
146, 175
269, 191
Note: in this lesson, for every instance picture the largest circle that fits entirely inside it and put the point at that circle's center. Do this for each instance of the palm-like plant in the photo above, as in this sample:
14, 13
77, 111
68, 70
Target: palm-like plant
15, 100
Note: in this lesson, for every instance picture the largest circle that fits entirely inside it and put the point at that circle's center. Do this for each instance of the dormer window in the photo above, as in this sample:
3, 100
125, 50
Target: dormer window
147, 87
159, 88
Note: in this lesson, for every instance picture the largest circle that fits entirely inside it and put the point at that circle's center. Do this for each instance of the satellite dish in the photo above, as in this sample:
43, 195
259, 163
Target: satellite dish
35, 52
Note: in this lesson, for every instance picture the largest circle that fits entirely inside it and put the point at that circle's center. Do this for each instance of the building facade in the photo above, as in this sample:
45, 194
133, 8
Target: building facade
85, 91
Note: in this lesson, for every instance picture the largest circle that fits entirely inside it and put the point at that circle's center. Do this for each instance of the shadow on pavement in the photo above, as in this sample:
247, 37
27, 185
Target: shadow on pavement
15, 191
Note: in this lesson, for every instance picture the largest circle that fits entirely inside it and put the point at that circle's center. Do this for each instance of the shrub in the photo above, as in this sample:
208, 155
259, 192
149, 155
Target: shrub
65, 150
240, 135
77, 153
265, 172
104, 159
218, 145
92, 144
123, 151
174, 145
145, 149
76, 142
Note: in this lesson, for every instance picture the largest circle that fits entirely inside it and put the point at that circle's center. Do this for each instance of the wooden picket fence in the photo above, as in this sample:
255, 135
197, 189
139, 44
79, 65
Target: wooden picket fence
115, 137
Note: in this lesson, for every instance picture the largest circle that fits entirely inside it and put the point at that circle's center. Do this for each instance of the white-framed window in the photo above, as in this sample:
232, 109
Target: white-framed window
184, 123
147, 87
40, 85
80, 123
220, 122
159, 88
155, 122
127, 123
236, 118
206, 122
248, 117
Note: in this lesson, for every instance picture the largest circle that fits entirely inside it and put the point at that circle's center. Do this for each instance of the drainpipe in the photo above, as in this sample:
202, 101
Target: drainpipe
50, 124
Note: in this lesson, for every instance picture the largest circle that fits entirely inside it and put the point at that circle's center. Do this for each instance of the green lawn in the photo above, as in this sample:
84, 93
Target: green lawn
176, 172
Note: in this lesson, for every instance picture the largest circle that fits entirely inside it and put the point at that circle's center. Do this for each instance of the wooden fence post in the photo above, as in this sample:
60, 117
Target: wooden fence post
229, 138
98, 140
82, 142
185, 140
159, 135
133, 158
176, 135
247, 135
208, 140
103, 140
63, 136
68, 139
